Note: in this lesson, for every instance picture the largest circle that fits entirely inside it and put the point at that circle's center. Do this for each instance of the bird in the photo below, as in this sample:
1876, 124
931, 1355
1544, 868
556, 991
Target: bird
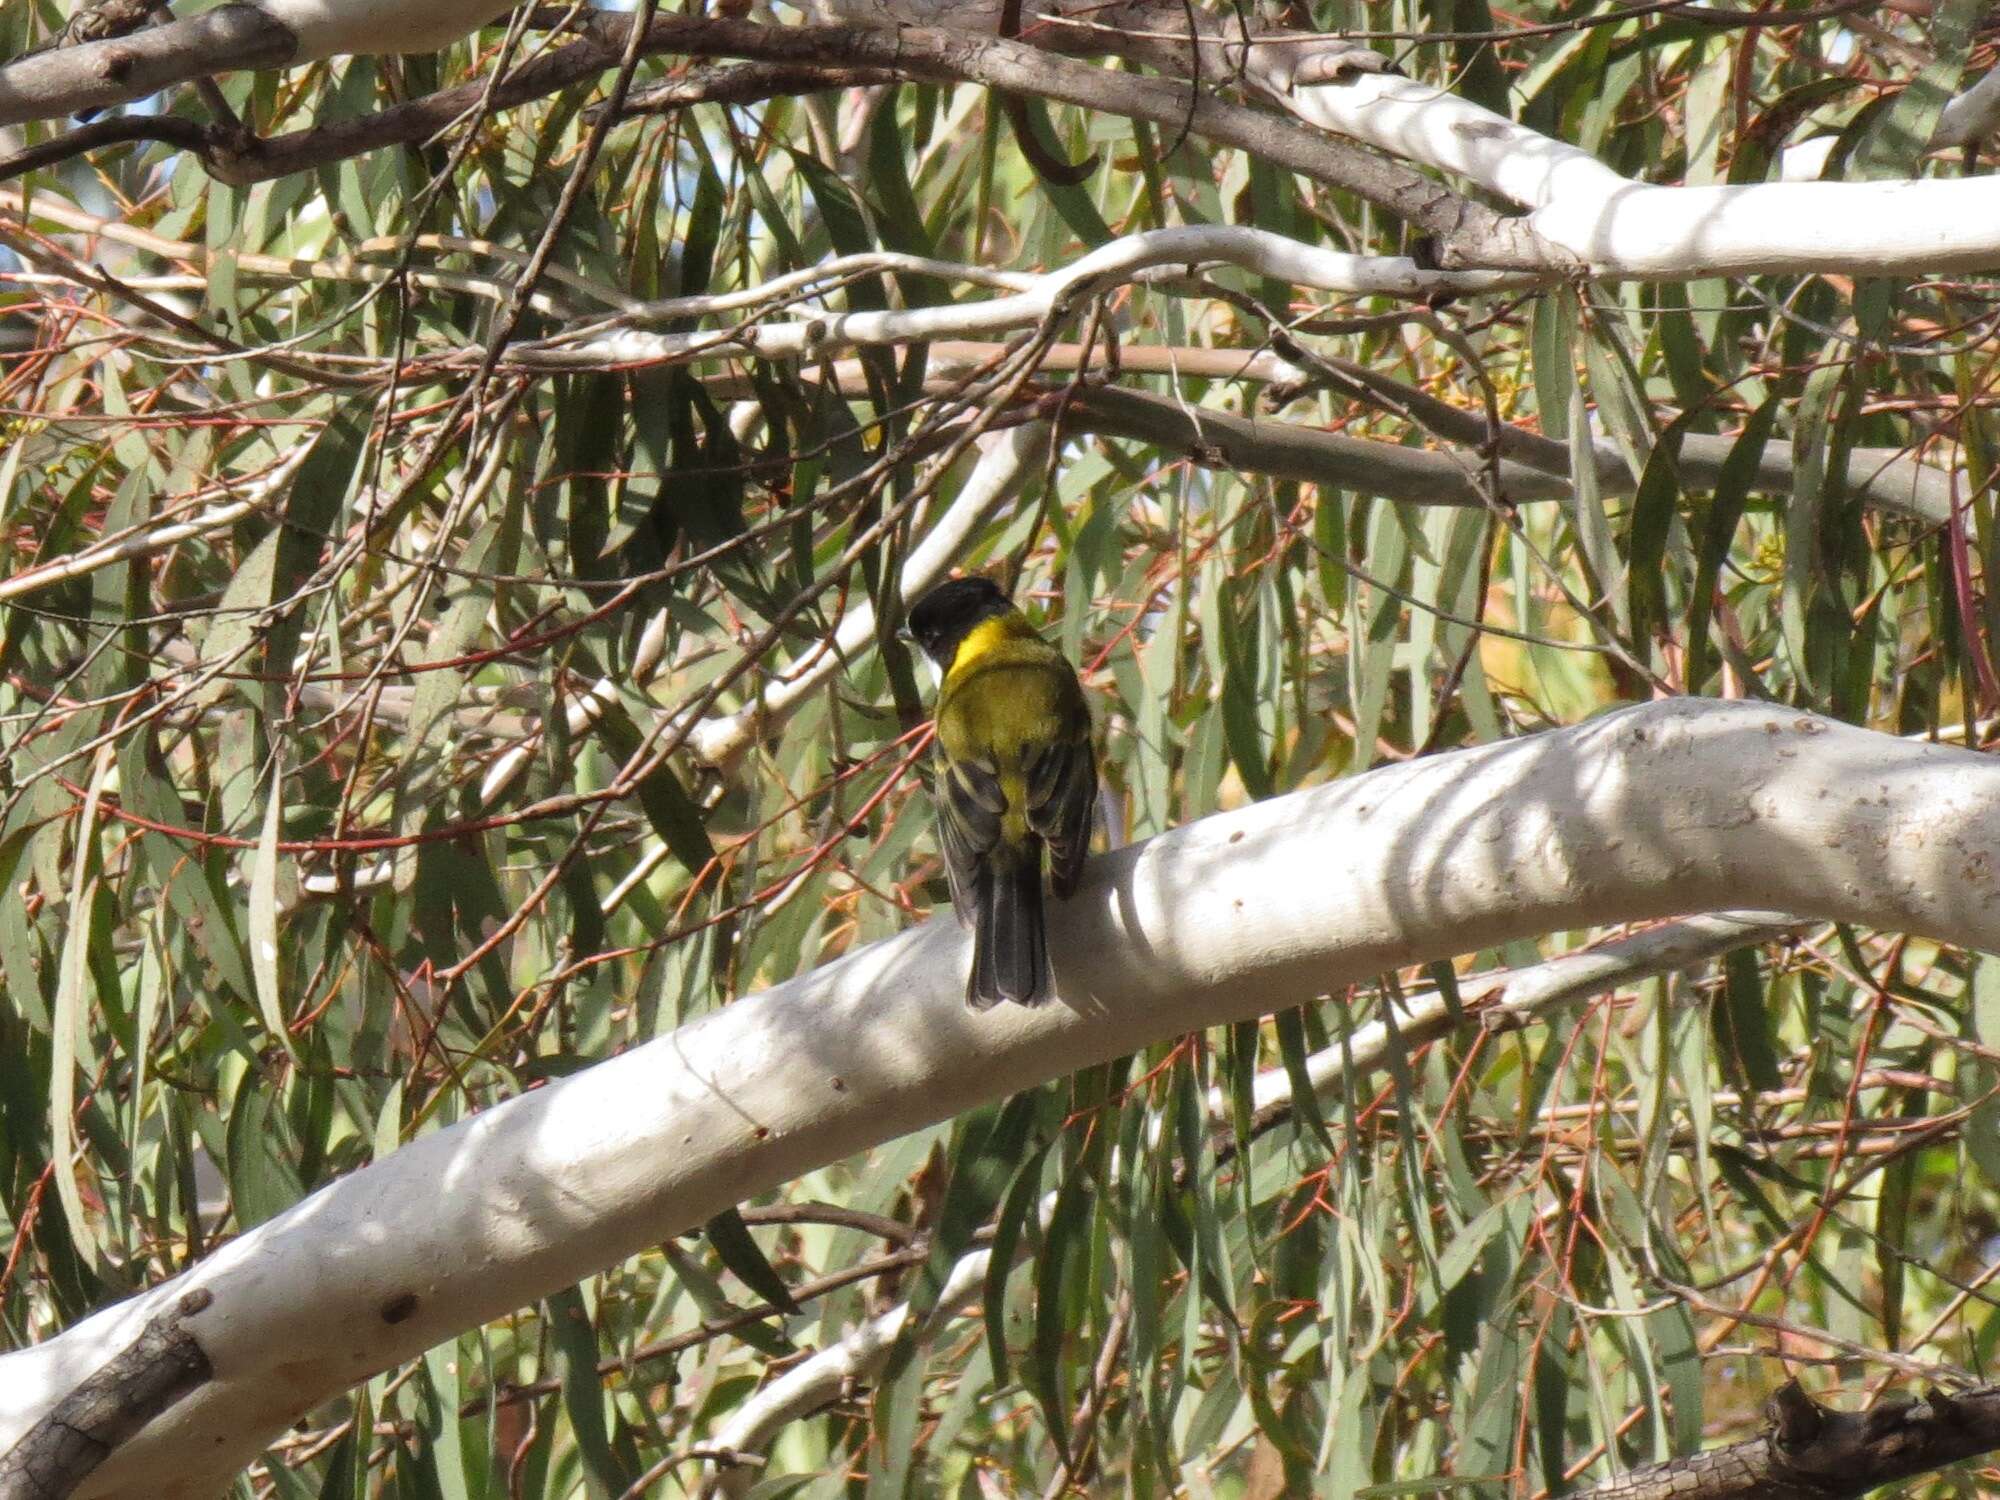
1017, 780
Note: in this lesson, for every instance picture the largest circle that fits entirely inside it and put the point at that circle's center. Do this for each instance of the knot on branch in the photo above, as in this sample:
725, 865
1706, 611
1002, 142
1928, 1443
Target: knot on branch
1336, 62
1816, 1450
1796, 1419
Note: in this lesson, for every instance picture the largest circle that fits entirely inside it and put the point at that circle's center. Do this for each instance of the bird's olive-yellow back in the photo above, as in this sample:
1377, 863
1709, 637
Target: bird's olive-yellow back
1000, 703
1016, 785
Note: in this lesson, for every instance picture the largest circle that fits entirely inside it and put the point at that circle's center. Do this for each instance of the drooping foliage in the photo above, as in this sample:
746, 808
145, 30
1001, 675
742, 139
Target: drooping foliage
347, 658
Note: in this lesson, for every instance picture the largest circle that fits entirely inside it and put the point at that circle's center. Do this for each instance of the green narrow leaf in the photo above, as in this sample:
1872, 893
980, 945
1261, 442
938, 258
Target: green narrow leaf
1742, 1024
846, 223
1680, 347
899, 1412
707, 1292
574, 1341
1553, 340
901, 220
1725, 513
1803, 581
441, 688
342, 1474
704, 228
264, 916
731, 1238
1203, 1238
445, 1449
190, 880
1062, 1256
20, 942
1894, 145
1071, 201
1553, 1383
1375, 618
1596, 546
71, 1018
1489, 1417
985, 1154
255, 606
1023, 1198
1672, 1332
1469, 1244
1653, 513
1291, 1028
1242, 670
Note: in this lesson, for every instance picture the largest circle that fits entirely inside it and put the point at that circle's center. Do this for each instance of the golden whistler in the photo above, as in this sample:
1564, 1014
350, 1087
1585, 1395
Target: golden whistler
1018, 777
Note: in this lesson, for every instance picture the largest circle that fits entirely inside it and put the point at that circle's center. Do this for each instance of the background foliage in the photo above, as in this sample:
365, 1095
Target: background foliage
302, 856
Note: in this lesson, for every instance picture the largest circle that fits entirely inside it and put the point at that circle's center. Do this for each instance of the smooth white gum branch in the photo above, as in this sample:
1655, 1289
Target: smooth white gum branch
1618, 227
1652, 811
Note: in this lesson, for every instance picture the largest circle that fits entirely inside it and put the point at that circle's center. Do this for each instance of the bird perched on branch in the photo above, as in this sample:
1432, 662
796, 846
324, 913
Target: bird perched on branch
1019, 777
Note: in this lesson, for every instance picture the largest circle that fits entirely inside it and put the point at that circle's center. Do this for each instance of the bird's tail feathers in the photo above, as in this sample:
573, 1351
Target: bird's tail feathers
1010, 950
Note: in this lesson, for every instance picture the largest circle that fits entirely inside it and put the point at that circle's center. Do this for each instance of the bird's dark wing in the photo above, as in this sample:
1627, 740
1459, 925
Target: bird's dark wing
1062, 801
969, 803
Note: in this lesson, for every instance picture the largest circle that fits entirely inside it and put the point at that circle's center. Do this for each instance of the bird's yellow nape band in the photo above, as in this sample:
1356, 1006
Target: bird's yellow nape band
989, 636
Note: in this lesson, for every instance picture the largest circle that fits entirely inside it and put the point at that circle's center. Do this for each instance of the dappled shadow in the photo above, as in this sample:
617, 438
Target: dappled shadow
1649, 811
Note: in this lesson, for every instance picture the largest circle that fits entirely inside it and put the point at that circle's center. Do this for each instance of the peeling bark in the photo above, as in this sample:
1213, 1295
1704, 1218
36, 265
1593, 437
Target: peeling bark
1815, 1453
159, 1367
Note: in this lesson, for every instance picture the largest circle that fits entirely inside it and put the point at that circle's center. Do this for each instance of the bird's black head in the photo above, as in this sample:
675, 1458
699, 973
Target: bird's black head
944, 616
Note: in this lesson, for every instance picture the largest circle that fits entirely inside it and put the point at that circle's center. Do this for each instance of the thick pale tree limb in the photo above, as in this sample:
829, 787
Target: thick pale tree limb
1651, 811
1618, 227
1580, 211
231, 37
336, 28
90, 75
953, 53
